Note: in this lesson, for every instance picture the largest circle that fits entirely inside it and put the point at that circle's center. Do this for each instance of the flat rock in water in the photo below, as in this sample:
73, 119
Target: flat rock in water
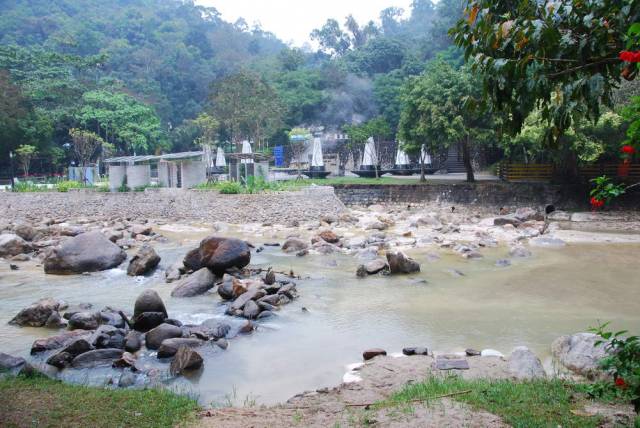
169, 347
372, 353
37, 314
156, 336
185, 359
145, 260
195, 284
99, 357
415, 351
448, 364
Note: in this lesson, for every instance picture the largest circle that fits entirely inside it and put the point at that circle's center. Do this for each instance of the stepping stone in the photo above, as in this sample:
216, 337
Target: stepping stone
447, 364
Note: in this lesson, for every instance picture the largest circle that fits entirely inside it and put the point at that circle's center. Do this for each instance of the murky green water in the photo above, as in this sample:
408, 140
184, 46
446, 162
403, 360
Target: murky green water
530, 303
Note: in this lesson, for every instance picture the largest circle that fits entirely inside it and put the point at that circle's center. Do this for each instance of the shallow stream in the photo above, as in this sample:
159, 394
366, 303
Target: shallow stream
452, 304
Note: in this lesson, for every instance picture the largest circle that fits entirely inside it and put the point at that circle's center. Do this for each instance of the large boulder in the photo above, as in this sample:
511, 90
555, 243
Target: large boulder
523, 364
25, 231
148, 320
12, 245
400, 263
58, 341
149, 301
84, 321
87, 252
578, 354
145, 260
195, 284
169, 347
219, 254
11, 364
185, 359
37, 314
156, 336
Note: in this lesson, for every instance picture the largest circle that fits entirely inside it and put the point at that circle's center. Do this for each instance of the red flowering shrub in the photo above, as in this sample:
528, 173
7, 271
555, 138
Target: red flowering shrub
630, 56
628, 150
620, 383
596, 203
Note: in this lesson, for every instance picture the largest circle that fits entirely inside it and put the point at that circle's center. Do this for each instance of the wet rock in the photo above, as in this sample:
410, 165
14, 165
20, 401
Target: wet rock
329, 236
174, 272
578, 354
375, 266
148, 320
219, 255
271, 299
11, 364
55, 321
222, 343
523, 364
372, 353
77, 346
506, 220
60, 360
302, 253
265, 314
216, 329
37, 314
113, 235
472, 352
21, 258
74, 309
519, 251
145, 260
294, 245
140, 229
225, 289
126, 360
84, 321
12, 245
108, 337
25, 231
195, 284
169, 347
399, 263
98, 357
269, 278
133, 342
156, 336
56, 342
87, 252
149, 301
252, 294
503, 263
110, 317
172, 321
248, 327
127, 380
186, 359
547, 242
415, 351
251, 310
527, 214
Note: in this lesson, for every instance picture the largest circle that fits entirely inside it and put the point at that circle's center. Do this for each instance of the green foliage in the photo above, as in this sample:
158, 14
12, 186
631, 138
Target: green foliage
606, 190
230, 188
53, 403
64, 186
25, 153
623, 361
632, 113
208, 127
537, 403
27, 187
559, 58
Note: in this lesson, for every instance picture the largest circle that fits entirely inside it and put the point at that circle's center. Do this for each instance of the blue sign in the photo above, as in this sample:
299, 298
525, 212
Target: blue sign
278, 154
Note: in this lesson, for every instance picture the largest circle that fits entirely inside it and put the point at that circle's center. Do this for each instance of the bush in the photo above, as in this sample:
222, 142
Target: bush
64, 186
27, 187
230, 188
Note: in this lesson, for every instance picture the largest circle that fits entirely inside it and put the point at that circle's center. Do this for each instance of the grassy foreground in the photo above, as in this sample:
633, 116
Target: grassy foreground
42, 402
539, 403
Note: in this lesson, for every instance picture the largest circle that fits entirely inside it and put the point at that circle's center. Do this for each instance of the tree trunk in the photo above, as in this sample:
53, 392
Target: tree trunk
466, 158
423, 179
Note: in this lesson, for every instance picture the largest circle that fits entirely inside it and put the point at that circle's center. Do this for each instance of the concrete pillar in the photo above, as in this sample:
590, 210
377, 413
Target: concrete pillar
138, 175
163, 174
193, 173
116, 176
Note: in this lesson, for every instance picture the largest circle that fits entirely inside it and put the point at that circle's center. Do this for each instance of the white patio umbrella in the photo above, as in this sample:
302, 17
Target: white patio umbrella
220, 159
369, 158
316, 157
426, 158
246, 148
401, 156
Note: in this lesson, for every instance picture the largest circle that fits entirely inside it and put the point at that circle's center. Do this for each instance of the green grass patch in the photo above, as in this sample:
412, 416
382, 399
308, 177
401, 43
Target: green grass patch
42, 402
539, 403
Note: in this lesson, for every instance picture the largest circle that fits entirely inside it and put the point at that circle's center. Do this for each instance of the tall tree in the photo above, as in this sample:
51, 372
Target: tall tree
25, 153
439, 112
85, 145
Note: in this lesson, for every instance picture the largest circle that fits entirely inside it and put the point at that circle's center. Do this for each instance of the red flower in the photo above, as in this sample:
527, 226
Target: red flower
627, 149
620, 383
630, 56
596, 203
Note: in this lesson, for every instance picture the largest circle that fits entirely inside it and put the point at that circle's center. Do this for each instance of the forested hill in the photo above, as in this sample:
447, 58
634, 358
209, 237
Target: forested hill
165, 52
141, 73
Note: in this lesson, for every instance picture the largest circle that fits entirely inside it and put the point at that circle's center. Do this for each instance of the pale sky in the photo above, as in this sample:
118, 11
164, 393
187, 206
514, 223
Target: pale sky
293, 20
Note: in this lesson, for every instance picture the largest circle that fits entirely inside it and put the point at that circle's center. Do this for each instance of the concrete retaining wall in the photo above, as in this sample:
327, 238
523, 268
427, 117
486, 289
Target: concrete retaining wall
193, 173
138, 175
116, 176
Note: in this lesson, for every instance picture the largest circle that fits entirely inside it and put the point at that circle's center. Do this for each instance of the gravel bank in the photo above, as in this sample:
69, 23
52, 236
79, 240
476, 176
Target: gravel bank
207, 206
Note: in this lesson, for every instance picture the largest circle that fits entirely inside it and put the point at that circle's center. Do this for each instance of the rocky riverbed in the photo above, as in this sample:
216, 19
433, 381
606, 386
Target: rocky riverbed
404, 259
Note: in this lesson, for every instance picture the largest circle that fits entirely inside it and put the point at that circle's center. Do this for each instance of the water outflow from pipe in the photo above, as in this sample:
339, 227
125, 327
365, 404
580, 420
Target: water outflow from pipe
246, 148
220, 159
316, 158
370, 158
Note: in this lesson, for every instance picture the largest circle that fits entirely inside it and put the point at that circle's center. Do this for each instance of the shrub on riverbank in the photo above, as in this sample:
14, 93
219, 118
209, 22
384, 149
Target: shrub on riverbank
39, 401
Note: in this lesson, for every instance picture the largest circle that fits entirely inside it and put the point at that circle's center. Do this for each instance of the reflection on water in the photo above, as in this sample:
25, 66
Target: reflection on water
529, 303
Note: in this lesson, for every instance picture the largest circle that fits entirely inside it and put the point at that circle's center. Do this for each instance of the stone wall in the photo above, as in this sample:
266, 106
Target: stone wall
138, 175
482, 193
193, 173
